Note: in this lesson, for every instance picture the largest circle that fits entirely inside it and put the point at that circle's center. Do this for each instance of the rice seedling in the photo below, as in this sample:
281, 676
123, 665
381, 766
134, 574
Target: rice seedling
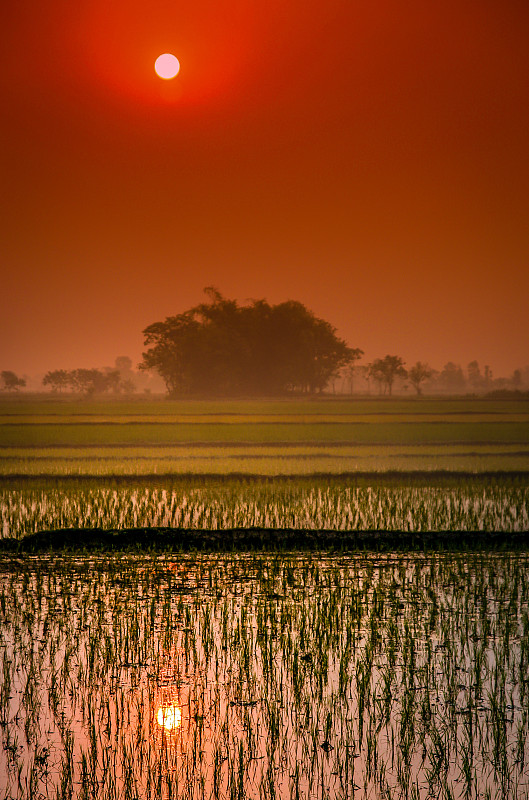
262, 460
274, 504
261, 438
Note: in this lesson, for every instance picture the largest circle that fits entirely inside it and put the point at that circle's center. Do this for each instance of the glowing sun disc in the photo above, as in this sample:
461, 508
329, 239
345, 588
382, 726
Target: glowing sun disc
167, 66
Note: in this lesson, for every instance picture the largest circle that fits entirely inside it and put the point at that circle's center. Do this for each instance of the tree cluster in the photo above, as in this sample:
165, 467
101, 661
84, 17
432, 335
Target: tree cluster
451, 380
85, 381
385, 371
10, 381
222, 348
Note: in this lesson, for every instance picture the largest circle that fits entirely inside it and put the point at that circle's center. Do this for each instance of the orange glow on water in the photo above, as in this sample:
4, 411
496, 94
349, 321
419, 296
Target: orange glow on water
169, 717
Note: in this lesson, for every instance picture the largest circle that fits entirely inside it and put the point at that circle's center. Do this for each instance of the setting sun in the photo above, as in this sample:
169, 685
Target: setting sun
167, 66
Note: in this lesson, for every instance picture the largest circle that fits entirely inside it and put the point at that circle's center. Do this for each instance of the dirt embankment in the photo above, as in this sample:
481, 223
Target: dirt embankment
267, 539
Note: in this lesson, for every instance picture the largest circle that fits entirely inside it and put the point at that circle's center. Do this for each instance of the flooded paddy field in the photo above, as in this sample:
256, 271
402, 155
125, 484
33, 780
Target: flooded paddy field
155, 674
265, 676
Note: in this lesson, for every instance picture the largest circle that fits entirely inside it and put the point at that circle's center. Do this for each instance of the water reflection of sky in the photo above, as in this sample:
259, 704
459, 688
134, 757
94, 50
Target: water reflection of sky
168, 702
169, 717
299, 671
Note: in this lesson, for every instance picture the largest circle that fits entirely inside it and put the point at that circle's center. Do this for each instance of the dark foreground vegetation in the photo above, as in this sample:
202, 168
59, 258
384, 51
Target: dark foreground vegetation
263, 539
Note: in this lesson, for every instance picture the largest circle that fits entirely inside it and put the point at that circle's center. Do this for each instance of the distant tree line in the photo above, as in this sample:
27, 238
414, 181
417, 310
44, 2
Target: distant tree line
88, 381
120, 379
225, 349
379, 377
382, 373
84, 381
221, 348
10, 381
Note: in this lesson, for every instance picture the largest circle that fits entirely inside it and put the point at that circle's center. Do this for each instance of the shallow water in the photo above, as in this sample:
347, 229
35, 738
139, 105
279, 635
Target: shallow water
261, 676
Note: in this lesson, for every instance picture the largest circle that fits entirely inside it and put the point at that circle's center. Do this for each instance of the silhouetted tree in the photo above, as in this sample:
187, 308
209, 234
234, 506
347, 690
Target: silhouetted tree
11, 381
57, 379
349, 371
127, 386
365, 371
112, 381
419, 373
94, 381
123, 364
123, 380
452, 379
385, 370
373, 373
221, 348
475, 377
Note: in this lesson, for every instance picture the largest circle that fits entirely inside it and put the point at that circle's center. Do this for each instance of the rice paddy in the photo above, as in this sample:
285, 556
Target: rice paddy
262, 460
325, 675
267, 438
293, 432
305, 505
256, 676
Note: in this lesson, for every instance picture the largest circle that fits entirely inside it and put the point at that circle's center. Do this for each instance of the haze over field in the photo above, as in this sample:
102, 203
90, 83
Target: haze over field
366, 159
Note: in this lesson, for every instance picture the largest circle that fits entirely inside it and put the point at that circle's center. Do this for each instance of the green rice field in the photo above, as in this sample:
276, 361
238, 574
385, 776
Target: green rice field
311, 505
285, 463
267, 438
265, 460
288, 463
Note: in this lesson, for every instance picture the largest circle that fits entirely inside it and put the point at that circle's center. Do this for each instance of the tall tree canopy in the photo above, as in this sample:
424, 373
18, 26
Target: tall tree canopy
222, 348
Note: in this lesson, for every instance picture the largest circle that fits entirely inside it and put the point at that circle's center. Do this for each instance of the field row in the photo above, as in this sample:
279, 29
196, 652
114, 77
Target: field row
163, 408
274, 504
370, 418
262, 459
288, 437
22, 435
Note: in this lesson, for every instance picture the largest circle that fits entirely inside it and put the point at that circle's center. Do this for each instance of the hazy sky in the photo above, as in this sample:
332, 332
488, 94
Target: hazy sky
368, 158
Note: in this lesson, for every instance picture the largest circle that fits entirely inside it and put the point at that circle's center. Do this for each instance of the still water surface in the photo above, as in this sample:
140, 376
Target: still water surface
262, 676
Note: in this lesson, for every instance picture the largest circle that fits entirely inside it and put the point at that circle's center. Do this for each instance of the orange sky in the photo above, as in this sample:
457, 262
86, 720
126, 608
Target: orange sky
366, 157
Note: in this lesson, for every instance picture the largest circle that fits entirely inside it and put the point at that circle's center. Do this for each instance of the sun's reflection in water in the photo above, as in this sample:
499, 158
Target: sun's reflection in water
169, 717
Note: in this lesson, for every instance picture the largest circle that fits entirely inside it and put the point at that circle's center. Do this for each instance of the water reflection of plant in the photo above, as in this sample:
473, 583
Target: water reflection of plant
295, 676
